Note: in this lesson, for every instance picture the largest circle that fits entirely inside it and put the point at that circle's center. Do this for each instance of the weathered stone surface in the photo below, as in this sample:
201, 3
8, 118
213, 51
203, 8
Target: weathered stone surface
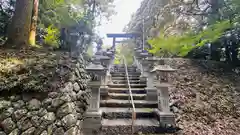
24, 123
19, 104
49, 118
4, 104
53, 94
35, 120
39, 130
68, 88
8, 125
66, 98
27, 97
19, 114
76, 87
50, 113
42, 112
15, 132
30, 131
44, 133
57, 102
65, 109
59, 131
51, 129
47, 102
6, 113
72, 131
2, 133
34, 104
15, 97
69, 121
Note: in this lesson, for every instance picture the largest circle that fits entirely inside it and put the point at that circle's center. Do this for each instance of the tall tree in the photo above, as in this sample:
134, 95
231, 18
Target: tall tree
32, 34
18, 34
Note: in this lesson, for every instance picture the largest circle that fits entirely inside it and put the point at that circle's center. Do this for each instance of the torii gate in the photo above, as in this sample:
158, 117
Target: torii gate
121, 35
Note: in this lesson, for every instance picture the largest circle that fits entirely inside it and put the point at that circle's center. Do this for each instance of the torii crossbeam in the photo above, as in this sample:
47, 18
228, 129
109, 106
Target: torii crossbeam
121, 35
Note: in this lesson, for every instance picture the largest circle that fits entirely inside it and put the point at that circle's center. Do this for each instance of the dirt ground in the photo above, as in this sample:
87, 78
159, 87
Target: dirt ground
205, 97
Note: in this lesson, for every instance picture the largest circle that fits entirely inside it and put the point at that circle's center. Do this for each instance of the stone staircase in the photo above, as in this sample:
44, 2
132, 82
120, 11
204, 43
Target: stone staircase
116, 108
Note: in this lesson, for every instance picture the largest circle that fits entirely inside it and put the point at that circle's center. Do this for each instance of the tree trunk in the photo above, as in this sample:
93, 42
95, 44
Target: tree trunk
18, 31
32, 36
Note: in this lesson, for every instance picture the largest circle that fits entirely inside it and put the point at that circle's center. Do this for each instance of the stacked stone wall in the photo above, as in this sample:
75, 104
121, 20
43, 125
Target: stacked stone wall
58, 112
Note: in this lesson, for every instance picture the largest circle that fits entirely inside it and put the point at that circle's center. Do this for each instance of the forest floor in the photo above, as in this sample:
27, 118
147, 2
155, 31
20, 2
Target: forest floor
205, 97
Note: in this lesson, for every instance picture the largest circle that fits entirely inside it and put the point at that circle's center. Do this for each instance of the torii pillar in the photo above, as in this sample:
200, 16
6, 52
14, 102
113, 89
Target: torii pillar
121, 35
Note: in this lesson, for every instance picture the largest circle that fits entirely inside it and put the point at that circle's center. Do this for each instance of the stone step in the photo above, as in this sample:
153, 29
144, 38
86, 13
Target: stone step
121, 113
124, 75
125, 103
126, 86
124, 96
126, 90
124, 126
124, 78
131, 82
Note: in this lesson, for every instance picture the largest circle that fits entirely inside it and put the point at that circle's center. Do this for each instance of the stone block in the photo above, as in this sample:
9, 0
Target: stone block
92, 123
103, 90
166, 118
151, 94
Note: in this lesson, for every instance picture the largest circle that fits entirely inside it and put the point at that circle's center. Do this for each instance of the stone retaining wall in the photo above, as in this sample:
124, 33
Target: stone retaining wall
58, 112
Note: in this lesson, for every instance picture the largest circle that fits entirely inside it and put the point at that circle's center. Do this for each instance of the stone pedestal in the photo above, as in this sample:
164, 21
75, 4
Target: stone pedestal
94, 100
151, 89
163, 98
104, 91
92, 123
109, 78
151, 94
166, 119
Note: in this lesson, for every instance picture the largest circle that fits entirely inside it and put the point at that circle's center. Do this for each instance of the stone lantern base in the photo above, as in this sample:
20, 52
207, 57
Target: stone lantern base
151, 94
92, 123
103, 91
109, 78
143, 78
166, 119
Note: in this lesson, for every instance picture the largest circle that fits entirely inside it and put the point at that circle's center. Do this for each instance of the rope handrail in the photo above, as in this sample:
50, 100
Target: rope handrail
130, 98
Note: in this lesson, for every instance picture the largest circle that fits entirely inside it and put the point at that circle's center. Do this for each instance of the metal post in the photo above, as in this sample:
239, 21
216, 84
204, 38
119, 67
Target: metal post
143, 40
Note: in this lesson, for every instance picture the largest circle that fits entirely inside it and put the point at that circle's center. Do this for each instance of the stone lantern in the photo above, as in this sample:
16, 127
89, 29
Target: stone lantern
162, 85
138, 59
151, 89
92, 121
105, 60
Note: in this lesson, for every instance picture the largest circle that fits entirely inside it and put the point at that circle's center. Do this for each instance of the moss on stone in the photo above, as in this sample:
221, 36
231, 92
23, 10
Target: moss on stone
29, 70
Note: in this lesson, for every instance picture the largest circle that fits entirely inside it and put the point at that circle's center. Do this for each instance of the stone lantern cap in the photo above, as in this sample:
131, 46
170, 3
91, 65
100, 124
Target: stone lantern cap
152, 59
109, 53
138, 53
163, 68
95, 67
137, 48
98, 52
144, 53
104, 57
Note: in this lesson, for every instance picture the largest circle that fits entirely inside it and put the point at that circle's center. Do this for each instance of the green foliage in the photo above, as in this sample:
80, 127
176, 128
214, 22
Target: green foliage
61, 13
173, 45
90, 50
51, 38
118, 56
